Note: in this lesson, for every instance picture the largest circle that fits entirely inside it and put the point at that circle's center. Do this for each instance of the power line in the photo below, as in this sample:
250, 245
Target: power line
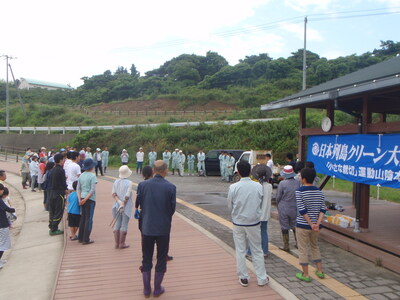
276, 24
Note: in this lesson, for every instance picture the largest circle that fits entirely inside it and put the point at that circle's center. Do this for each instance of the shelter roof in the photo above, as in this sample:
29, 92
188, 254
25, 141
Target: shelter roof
47, 83
381, 80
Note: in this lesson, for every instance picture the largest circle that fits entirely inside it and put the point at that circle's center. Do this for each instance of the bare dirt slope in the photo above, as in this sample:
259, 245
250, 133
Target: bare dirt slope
160, 105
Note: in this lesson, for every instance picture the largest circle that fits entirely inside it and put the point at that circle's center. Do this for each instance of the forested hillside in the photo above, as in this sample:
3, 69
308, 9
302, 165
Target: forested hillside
256, 79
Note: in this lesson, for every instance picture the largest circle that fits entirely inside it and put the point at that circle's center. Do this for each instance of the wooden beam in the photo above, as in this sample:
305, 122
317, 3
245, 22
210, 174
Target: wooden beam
344, 129
364, 206
330, 112
382, 118
324, 182
383, 127
302, 138
364, 188
366, 115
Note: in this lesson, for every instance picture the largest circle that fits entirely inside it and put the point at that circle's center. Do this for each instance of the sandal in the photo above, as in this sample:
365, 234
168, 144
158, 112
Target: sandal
320, 275
302, 277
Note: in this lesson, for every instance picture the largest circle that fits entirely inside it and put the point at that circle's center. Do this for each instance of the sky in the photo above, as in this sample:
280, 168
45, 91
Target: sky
63, 41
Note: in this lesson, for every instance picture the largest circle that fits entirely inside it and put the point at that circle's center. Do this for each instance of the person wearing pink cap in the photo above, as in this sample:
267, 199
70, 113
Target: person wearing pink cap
286, 203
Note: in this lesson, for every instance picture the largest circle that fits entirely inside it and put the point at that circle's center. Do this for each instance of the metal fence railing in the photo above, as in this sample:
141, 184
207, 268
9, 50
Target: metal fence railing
11, 153
78, 129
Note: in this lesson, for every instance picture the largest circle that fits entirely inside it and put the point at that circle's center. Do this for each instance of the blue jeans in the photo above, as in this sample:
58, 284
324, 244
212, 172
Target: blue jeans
86, 222
264, 238
139, 166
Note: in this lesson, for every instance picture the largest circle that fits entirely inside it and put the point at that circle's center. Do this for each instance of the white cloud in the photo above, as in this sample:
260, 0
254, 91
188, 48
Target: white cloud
390, 3
65, 40
332, 54
298, 30
307, 5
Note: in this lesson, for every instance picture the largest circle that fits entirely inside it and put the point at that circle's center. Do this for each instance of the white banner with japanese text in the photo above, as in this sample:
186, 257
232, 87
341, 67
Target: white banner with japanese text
364, 158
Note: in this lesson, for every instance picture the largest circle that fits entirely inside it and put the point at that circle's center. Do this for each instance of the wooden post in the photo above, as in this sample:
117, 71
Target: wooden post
382, 118
364, 205
364, 188
302, 138
330, 112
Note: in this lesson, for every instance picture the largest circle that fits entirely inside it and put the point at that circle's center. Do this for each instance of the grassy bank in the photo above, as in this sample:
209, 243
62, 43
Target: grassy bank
347, 186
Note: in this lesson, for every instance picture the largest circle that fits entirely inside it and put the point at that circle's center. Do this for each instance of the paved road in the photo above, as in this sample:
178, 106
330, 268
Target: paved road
362, 276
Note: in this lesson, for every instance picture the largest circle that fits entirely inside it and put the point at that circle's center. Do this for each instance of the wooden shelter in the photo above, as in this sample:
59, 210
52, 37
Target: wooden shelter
372, 90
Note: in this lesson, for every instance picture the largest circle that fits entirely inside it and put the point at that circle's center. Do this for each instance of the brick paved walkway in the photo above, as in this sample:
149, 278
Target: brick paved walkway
201, 269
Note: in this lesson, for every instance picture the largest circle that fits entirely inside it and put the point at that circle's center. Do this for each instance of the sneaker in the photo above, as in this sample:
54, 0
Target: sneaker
56, 232
302, 277
88, 242
320, 275
264, 282
243, 282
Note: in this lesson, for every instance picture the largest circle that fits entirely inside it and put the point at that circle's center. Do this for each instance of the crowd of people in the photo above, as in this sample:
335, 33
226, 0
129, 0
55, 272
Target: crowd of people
175, 161
70, 176
301, 208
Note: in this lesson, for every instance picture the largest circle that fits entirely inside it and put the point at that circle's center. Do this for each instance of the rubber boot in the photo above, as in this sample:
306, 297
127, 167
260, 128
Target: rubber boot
295, 238
122, 238
285, 237
116, 237
158, 289
105, 170
146, 284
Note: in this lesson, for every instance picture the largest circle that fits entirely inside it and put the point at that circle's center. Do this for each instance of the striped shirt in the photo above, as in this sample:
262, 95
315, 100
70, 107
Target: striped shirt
310, 201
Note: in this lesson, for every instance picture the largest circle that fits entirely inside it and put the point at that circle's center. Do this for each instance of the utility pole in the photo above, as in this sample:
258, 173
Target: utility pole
7, 95
305, 55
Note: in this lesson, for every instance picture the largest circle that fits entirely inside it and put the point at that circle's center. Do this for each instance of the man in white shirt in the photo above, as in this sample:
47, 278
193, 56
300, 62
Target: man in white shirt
34, 170
182, 159
166, 157
139, 160
270, 162
175, 161
244, 202
98, 160
73, 170
201, 168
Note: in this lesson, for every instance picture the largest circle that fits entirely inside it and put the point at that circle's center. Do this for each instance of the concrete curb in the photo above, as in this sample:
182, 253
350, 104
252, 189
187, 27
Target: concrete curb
285, 293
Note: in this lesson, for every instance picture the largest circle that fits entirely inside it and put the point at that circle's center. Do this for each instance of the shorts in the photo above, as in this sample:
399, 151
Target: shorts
73, 220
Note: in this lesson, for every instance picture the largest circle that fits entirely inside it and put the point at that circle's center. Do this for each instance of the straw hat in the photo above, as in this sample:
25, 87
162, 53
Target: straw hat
124, 172
288, 172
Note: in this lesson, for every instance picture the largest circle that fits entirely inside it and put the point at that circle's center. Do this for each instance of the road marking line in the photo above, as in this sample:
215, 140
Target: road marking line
331, 283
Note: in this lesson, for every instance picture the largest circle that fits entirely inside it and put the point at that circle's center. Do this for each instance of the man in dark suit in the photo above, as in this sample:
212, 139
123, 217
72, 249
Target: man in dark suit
157, 199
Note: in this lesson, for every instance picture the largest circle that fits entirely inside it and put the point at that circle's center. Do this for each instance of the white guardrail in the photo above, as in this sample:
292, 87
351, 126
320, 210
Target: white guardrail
111, 127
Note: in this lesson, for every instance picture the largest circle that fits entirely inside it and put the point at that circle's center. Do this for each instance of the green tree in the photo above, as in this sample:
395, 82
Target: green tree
134, 72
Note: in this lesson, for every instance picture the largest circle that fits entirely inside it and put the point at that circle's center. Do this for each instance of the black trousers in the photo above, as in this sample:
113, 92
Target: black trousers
162, 243
56, 205
86, 222
99, 166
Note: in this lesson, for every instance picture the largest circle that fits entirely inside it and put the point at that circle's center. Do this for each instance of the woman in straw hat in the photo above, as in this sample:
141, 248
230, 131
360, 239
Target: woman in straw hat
123, 205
